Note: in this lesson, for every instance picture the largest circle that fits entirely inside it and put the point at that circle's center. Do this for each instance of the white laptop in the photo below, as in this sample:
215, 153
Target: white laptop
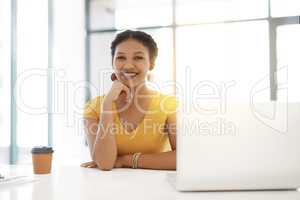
241, 147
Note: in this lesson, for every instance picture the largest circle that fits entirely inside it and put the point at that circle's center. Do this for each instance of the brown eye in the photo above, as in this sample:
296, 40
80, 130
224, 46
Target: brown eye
139, 57
120, 57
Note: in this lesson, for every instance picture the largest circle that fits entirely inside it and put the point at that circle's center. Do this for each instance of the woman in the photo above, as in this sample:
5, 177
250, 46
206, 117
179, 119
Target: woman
132, 125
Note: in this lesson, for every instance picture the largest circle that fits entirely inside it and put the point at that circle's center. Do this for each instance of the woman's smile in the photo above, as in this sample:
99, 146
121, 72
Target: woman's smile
130, 75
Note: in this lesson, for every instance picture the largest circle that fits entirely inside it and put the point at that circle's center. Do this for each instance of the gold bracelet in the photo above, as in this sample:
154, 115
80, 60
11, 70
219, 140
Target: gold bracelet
135, 159
132, 160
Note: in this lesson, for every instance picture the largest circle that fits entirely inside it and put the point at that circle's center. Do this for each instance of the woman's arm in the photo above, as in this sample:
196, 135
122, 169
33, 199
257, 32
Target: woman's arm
100, 138
164, 160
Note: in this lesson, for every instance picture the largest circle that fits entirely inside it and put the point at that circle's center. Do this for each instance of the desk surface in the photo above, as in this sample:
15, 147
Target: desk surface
74, 182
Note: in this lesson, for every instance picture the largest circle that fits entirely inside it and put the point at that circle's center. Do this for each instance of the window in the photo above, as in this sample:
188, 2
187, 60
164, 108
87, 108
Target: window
288, 44
205, 11
4, 79
163, 73
36, 48
68, 83
284, 8
234, 55
142, 13
100, 63
123, 14
32, 64
236, 38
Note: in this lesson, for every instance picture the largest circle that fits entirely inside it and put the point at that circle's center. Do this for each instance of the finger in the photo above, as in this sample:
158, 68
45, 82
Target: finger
86, 164
92, 166
128, 92
83, 165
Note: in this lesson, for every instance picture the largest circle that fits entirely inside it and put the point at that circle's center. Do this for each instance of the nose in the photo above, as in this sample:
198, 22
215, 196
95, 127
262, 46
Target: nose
128, 65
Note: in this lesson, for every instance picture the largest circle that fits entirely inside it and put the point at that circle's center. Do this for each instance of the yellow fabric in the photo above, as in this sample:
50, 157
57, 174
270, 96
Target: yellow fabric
149, 136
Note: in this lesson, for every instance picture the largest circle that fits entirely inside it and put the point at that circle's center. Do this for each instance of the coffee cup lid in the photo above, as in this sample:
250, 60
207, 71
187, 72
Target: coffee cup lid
41, 150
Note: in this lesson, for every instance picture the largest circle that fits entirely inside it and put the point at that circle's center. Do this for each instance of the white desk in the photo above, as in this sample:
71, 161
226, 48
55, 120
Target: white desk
74, 183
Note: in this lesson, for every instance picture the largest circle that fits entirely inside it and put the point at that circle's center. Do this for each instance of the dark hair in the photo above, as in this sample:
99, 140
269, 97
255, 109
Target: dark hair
141, 37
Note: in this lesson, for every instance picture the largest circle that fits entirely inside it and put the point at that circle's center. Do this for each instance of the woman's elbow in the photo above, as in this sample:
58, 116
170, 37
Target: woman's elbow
105, 166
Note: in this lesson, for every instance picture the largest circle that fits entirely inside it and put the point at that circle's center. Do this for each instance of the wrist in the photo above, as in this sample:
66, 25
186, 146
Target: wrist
108, 98
107, 105
126, 161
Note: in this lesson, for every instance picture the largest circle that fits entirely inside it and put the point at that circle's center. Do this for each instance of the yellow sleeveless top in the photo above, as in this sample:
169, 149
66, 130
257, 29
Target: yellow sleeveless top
149, 136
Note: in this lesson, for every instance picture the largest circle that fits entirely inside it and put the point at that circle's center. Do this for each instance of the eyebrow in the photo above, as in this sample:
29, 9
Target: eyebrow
138, 52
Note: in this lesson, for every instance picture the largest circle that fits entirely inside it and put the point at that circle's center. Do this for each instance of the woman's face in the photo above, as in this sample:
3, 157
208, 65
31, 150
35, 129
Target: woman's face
131, 62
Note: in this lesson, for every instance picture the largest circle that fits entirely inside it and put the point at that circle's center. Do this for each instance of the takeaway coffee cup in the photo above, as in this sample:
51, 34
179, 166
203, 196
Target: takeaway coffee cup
42, 159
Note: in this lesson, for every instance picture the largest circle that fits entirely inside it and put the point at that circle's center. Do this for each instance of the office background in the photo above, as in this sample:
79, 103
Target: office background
55, 55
